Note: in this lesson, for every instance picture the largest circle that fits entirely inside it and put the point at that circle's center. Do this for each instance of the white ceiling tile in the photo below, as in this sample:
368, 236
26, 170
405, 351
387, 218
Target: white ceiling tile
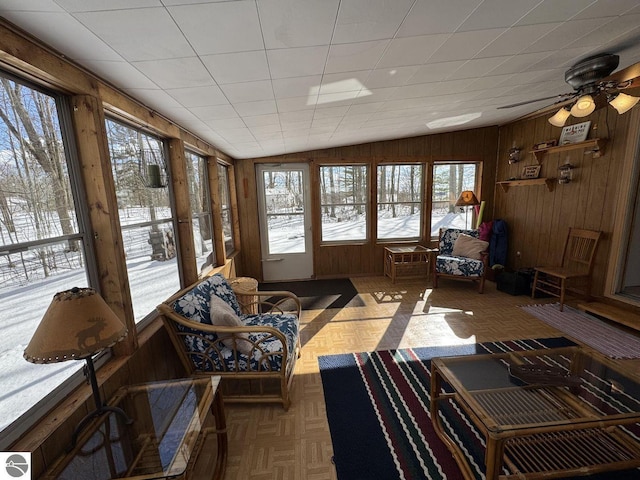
445, 55
435, 72
214, 112
237, 67
517, 39
493, 14
296, 86
199, 96
343, 82
297, 62
604, 8
437, 16
121, 74
262, 129
354, 56
159, 99
262, 107
381, 20
262, 120
30, 6
226, 123
56, 28
478, 67
550, 11
176, 72
465, 45
390, 76
411, 50
77, 6
294, 104
519, 63
236, 134
248, 91
297, 23
220, 27
566, 34
139, 34
328, 111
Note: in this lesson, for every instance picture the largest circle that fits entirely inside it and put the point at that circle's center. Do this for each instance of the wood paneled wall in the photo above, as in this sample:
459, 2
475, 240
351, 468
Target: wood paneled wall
538, 220
366, 258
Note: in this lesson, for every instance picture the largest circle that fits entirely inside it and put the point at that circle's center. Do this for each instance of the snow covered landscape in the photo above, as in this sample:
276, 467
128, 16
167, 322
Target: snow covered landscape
23, 384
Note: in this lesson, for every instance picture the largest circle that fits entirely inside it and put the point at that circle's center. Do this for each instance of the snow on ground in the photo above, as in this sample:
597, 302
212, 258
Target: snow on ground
23, 384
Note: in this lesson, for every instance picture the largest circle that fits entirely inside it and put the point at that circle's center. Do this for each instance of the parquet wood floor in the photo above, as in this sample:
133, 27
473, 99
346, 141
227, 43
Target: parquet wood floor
268, 443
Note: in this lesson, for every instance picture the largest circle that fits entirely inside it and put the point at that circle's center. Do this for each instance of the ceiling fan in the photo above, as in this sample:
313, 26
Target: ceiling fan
594, 84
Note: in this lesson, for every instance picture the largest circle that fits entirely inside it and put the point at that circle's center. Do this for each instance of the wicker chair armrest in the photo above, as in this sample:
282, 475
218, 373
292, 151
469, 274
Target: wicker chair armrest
265, 306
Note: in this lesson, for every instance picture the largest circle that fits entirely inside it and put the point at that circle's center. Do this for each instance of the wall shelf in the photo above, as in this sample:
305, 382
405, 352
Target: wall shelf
525, 182
596, 144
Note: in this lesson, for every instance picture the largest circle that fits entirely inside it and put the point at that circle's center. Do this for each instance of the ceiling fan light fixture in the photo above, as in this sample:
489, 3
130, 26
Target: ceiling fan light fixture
583, 107
560, 118
623, 102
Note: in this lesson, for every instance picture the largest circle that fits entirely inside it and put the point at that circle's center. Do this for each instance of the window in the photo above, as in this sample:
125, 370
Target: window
343, 202
399, 201
200, 209
43, 241
144, 207
225, 206
449, 181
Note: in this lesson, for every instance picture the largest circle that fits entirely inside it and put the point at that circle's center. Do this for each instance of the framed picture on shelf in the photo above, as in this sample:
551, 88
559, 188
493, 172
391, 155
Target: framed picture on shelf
574, 133
531, 171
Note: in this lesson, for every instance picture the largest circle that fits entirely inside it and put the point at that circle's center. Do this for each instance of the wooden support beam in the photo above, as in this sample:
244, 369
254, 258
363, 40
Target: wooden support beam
216, 211
95, 170
184, 219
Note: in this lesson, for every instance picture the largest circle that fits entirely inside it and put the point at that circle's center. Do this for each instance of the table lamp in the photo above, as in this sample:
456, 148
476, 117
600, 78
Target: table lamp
77, 325
467, 199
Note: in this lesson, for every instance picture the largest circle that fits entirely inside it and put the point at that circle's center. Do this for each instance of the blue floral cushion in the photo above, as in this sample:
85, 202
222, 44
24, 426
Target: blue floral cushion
462, 266
448, 237
209, 353
451, 265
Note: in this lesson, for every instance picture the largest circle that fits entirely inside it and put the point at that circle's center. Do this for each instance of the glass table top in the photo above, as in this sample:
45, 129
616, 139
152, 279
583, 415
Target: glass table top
167, 419
542, 388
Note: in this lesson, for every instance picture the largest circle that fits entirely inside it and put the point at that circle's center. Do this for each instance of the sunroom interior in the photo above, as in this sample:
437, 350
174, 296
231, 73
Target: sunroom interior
159, 128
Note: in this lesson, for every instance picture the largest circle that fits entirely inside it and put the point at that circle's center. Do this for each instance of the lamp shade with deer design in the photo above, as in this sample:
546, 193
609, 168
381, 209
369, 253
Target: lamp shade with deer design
77, 324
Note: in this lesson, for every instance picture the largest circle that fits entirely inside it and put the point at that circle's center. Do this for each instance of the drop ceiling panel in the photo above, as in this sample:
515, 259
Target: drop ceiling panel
296, 23
260, 77
138, 34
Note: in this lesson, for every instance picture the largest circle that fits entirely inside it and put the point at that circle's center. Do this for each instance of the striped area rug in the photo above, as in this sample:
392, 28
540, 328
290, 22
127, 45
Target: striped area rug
607, 339
378, 411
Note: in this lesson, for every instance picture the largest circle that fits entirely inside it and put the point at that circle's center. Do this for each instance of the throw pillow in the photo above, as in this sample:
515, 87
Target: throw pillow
470, 247
485, 230
222, 315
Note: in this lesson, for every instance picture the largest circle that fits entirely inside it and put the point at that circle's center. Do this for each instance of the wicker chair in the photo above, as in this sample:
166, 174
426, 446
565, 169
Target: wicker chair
256, 360
452, 265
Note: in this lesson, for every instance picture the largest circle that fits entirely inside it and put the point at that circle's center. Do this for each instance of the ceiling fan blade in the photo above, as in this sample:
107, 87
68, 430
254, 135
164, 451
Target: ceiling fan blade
624, 75
562, 97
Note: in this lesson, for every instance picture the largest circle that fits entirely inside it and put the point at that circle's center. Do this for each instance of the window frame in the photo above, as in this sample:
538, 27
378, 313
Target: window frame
225, 181
366, 203
476, 188
421, 203
33, 415
203, 170
148, 317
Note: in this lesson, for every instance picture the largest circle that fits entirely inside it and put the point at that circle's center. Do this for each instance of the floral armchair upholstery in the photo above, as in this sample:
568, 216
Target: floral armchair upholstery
258, 348
472, 265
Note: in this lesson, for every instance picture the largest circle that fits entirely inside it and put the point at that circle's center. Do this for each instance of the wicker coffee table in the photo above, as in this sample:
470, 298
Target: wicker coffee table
569, 412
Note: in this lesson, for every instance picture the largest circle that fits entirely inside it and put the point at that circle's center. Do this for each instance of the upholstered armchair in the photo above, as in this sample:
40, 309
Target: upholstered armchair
461, 255
255, 353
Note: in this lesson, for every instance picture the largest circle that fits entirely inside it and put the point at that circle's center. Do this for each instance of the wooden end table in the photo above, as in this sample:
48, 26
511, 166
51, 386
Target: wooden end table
407, 261
169, 428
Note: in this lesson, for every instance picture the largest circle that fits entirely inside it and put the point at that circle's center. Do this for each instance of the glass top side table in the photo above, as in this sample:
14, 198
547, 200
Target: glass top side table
169, 427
